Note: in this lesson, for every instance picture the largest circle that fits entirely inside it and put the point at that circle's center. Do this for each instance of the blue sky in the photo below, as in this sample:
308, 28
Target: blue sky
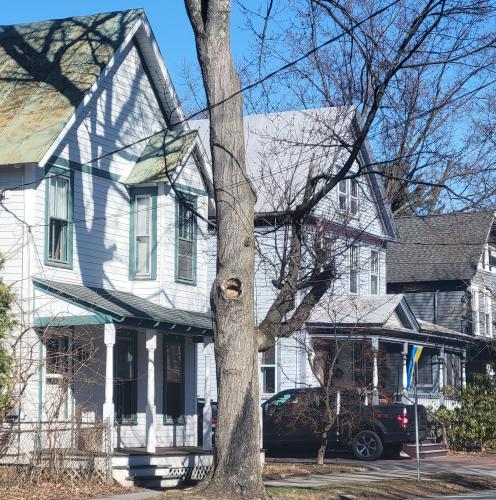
167, 17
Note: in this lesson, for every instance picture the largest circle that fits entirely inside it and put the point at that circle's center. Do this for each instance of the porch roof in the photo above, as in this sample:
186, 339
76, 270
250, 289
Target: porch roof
124, 306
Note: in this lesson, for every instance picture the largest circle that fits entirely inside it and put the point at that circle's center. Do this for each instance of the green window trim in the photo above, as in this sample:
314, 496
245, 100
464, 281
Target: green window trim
193, 200
181, 420
134, 193
56, 171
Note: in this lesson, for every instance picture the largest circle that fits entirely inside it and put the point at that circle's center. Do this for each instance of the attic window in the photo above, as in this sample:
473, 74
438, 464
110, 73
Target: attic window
348, 196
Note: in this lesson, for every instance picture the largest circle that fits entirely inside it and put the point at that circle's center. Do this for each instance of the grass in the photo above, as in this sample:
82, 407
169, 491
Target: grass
400, 489
275, 470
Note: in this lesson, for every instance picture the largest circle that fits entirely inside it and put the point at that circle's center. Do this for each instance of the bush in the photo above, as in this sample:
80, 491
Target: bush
472, 426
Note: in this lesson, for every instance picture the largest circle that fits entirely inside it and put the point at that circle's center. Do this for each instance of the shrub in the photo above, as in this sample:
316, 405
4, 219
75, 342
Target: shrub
472, 426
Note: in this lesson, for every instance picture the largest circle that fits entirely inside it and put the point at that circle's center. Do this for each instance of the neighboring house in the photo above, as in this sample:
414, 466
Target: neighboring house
100, 243
380, 329
446, 267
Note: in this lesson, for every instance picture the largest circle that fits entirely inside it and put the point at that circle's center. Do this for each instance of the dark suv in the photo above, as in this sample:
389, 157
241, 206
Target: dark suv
295, 418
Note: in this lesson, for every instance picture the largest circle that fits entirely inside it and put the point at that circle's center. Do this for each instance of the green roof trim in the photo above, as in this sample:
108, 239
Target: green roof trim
46, 68
162, 154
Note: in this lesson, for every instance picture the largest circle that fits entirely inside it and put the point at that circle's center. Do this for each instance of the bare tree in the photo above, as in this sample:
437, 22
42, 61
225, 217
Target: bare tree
388, 39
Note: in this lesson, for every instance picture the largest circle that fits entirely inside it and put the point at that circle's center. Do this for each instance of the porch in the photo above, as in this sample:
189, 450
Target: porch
375, 336
130, 364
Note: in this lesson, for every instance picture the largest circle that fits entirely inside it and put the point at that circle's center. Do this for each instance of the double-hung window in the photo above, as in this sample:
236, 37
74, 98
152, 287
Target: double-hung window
268, 371
174, 380
59, 217
126, 378
348, 196
475, 311
186, 228
354, 269
374, 272
143, 244
486, 315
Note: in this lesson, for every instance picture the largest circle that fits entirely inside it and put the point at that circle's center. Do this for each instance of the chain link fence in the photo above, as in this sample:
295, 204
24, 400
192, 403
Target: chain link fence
55, 451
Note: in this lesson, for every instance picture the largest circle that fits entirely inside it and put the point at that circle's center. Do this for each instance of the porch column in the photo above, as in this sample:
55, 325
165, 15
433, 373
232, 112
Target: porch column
108, 405
207, 407
404, 372
464, 369
375, 372
442, 374
151, 345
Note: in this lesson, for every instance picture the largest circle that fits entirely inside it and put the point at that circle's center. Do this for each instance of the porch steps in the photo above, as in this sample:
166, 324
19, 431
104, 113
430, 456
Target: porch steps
428, 449
159, 471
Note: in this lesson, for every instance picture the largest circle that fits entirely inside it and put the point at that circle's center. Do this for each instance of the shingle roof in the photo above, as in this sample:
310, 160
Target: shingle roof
162, 154
123, 305
45, 69
438, 247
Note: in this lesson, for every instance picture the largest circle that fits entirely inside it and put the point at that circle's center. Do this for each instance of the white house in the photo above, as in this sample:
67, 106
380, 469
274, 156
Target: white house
99, 178
282, 148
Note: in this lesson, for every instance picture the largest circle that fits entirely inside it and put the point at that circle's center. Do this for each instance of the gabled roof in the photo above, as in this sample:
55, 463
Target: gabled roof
281, 148
438, 247
162, 154
126, 306
45, 70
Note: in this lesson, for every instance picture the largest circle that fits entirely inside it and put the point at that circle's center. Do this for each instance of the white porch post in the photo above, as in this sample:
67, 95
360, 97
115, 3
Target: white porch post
375, 372
404, 370
464, 368
151, 439
207, 407
442, 364
108, 405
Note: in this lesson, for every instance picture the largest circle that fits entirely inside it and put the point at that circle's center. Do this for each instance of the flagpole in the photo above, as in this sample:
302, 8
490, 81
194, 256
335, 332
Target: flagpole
417, 445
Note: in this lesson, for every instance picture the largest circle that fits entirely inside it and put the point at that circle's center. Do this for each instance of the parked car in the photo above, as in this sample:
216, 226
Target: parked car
295, 418
199, 409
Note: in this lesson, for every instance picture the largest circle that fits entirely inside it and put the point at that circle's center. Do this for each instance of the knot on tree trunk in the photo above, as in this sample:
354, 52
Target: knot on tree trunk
231, 288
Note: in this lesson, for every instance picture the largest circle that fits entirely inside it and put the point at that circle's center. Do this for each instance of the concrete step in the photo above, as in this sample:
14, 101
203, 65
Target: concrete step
155, 482
145, 470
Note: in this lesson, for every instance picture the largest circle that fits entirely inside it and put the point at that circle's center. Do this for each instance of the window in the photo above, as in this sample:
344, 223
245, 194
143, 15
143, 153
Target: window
475, 310
488, 261
374, 272
143, 244
348, 195
425, 368
354, 269
268, 371
486, 315
186, 240
174, 380
57, 355
59, 217
125, 378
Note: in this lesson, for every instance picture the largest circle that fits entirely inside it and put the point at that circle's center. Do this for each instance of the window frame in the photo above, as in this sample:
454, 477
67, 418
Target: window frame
351, 201
134, 194
355, 270
68, 174
372, 274
182, 418
474, 303
265, 366
194, 202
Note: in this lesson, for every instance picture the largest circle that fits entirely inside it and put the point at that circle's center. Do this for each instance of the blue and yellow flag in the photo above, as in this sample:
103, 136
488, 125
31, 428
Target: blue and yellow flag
416, 352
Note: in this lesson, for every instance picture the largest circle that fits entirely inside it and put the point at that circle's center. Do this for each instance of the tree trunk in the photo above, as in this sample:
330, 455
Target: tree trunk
237, 468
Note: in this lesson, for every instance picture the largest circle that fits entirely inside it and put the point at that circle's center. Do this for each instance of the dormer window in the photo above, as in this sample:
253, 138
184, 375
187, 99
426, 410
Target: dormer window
348, 196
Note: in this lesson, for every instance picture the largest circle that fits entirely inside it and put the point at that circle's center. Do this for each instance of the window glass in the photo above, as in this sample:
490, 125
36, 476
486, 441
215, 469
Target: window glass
374, 272
142, 229
186, 235
354, 197
353, 269
58, 217
268, 371
343, 195
174, 379
125, 377
57, 354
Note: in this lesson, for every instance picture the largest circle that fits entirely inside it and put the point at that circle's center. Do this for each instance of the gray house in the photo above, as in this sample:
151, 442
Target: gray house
446, 267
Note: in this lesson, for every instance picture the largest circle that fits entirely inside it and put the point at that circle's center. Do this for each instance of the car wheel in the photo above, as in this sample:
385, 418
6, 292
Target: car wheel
367, 445
392, 450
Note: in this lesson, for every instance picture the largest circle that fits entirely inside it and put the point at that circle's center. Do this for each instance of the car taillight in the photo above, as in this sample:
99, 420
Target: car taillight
402, 420
214, 420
